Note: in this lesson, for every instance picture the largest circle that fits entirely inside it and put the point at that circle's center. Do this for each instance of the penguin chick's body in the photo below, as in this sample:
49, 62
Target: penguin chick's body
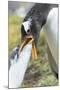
17, 70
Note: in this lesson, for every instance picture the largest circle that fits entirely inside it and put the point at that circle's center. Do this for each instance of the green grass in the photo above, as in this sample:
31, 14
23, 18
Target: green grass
14, 31
38, 72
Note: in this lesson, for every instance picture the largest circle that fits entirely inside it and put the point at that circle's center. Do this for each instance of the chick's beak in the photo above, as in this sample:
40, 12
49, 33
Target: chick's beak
29, 39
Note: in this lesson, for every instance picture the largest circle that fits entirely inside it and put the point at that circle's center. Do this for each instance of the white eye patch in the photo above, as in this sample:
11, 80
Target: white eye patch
26, 25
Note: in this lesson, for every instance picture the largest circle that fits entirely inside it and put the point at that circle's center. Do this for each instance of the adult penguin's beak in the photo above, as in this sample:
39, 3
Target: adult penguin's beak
29, 40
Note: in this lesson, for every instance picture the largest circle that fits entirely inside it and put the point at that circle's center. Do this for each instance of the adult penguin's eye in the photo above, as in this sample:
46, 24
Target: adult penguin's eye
28, 31
26, 25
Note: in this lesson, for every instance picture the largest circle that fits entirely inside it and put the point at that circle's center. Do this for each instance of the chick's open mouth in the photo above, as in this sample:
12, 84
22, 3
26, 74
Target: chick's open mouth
29, 40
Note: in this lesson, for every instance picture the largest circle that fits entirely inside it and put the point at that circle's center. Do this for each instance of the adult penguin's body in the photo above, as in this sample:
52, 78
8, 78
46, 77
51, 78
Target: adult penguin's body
34, 21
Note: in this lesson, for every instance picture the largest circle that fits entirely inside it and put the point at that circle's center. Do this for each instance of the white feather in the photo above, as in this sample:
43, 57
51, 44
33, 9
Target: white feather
17, 70
26, 25
51, 31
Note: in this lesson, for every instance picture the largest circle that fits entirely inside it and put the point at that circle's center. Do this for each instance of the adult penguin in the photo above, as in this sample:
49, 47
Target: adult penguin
42, 16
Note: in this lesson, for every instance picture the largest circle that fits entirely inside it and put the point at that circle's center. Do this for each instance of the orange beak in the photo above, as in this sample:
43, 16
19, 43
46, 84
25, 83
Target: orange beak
30, 39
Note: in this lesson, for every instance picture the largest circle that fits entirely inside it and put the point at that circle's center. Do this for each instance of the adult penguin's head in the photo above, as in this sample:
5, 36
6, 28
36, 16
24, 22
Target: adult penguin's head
29, 34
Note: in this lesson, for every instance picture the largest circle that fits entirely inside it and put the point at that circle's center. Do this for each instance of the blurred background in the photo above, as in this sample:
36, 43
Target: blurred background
38, 72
